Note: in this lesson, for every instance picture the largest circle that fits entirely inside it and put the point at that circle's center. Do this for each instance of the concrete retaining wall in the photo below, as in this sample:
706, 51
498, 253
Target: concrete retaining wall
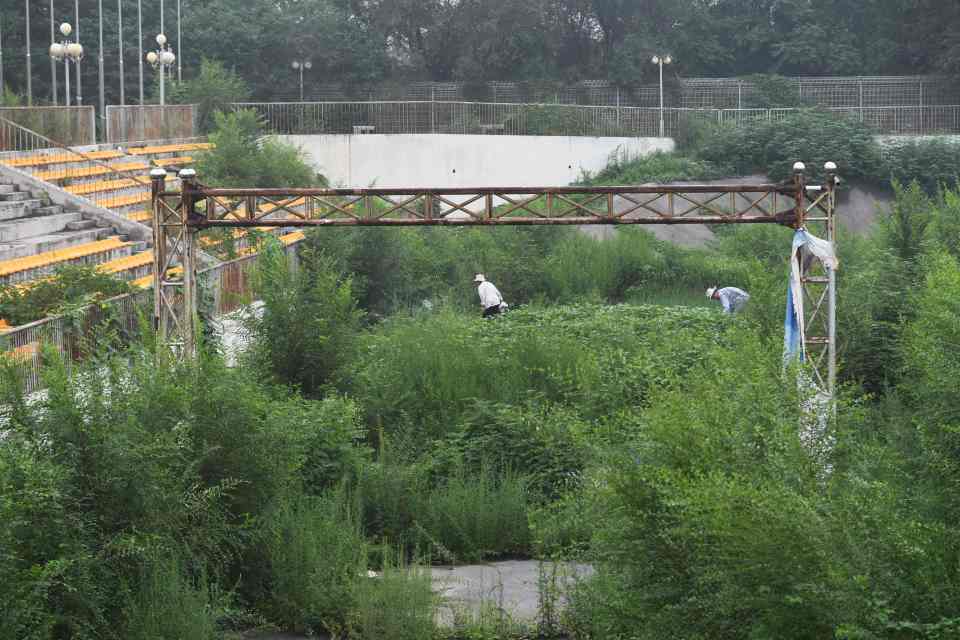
448, 161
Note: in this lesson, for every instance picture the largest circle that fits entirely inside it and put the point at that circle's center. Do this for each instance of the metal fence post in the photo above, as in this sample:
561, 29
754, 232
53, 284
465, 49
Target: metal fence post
920, 130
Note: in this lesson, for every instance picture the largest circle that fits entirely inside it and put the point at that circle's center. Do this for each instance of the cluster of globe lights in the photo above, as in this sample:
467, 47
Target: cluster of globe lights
71, 50
163, 56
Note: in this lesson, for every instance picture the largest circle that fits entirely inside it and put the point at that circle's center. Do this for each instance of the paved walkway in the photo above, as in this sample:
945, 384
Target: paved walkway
508, 588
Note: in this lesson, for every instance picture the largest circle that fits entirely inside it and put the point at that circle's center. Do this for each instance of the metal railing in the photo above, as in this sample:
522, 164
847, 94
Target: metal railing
70, 125
292, 118
150, 122
107, 179
227, 287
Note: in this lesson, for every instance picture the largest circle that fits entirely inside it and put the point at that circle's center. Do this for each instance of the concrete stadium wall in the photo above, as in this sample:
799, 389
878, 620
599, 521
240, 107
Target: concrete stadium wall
464, 161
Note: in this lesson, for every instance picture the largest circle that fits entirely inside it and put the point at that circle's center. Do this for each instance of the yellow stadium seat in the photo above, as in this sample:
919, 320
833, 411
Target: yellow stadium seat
10, 267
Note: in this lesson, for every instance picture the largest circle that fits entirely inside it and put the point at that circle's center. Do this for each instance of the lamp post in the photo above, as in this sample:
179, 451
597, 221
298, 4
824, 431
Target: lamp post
661, 60
162, 58
301, 65
66, 51
53, 63
29, 66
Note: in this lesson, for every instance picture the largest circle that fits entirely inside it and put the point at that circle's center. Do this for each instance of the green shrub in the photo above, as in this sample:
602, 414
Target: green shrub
810, 136
308, 328
715, 521
70, 287
471, 517
540, 441
241, 158
658, 167
462, 516
215, 89
168, 605
934, 163
316, 554
398, 603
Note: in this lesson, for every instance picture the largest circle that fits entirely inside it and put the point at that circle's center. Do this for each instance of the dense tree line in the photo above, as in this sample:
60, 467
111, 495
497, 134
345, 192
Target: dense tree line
360, 42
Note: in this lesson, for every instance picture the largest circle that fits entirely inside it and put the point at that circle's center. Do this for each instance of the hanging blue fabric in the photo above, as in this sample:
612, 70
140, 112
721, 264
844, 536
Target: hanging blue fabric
791, 330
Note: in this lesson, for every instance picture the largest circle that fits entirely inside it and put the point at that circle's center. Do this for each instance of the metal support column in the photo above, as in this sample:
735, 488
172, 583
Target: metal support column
175, 265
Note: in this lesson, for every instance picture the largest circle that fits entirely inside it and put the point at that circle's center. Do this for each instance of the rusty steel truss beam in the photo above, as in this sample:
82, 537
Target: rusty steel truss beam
180, 215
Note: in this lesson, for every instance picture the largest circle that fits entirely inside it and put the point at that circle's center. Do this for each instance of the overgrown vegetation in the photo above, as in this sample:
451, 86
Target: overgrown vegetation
241, 157
375, 424
70, 287
214, 89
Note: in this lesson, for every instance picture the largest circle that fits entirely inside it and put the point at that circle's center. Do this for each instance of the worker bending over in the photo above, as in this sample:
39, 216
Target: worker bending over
732, 299
490, 298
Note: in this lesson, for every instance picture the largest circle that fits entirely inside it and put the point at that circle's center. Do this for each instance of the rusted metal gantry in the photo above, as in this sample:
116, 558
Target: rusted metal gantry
178, 216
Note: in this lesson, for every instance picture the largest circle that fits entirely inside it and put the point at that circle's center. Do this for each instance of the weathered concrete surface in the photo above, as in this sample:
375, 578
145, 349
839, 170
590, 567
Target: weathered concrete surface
436, 160
510, 588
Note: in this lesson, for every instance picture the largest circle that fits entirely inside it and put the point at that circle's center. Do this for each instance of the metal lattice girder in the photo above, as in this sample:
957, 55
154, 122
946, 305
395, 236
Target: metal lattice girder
178, 216
692, 204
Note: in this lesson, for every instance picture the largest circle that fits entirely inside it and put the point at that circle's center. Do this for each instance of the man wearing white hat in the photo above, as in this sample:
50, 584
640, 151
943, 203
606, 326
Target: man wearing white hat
732, 299
490, 298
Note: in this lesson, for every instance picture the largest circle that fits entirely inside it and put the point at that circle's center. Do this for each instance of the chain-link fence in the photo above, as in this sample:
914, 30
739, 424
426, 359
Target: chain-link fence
687, 93
309, 118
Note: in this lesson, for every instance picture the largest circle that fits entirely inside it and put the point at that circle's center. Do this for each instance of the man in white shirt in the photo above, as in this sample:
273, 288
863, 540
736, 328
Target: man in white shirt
732, 299
490, 298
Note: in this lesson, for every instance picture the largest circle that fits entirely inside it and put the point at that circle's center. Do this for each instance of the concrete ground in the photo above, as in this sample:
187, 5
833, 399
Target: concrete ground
510, 589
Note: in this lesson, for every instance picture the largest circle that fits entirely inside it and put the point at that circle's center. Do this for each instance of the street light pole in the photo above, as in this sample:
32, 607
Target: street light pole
140, 45
103, 103
29, 69
66, 51
179, 47
162, 58
661, 60
53, 63
123, 95
1, 56
76, 11
302, 65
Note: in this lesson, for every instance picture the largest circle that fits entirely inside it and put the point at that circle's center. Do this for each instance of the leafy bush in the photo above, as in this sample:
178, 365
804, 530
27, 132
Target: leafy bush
715, 521
70, 287
167, 605
463, 517
426, 372
316, 554
810, 136
657, 167
215, 89
398, 603
241, 158
934, 162
397, 269
308, 328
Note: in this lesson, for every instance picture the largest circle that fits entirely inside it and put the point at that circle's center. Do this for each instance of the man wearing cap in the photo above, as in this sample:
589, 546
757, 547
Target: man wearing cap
732, 299
490, 298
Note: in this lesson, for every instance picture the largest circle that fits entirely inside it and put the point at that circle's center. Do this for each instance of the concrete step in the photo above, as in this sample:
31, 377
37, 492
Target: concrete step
48, 210
7, 188
47, 242
14, 230
82, 224
21, 209
14, 196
